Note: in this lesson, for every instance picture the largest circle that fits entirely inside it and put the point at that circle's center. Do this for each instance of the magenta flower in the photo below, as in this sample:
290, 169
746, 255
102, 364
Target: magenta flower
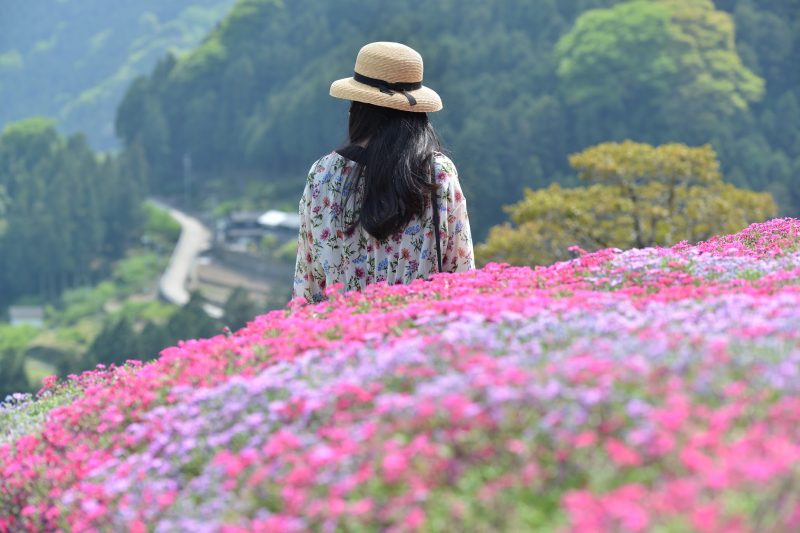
622, 390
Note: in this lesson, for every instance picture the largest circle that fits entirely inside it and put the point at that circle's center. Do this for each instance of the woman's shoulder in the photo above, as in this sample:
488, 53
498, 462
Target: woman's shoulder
326, 165
327, 161
445, 168
442, 159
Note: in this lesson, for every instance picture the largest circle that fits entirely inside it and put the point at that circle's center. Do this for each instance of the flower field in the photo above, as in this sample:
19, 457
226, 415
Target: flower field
644, 390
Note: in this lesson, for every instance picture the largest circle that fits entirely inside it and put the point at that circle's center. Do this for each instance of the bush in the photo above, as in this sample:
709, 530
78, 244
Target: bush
81, 303
136, 272
160, 226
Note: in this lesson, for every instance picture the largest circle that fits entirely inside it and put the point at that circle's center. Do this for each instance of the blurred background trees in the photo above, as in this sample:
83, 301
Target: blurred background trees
71, 213
524, 85
654, 71
636, 196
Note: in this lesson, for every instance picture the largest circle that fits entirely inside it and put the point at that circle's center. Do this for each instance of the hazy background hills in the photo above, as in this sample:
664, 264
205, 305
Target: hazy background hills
73, 59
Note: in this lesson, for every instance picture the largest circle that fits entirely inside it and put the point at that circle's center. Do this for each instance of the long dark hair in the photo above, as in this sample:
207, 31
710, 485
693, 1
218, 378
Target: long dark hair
394, 166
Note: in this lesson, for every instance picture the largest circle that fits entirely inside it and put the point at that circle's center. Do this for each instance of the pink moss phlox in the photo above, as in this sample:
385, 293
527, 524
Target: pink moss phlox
377, 410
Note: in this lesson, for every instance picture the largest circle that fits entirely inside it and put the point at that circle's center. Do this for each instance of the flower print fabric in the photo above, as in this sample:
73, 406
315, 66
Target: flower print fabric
327, 255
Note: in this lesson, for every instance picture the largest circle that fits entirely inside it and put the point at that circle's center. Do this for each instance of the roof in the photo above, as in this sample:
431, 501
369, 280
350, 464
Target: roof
19, 312
273, 218
26, 314
243, 216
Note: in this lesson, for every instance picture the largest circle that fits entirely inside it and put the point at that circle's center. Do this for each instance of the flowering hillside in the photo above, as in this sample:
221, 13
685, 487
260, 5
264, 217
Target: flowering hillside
653, 389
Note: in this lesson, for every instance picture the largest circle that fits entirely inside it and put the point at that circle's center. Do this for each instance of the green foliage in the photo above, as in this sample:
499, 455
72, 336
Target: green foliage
239, 309
13, 340
147, 310
62, 348
132, 275
668, 64
281, 249
160, 226
286, 252
638, 196
253, 99
524, 85
153, 338
192, 322
36, 371
63, 361
632, 40
16, 337
138, 271
82, 210
80, 303
115, 344
138, 330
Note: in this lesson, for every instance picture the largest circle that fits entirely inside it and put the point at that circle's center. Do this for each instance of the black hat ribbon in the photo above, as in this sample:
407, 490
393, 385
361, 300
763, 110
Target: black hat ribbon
390, 88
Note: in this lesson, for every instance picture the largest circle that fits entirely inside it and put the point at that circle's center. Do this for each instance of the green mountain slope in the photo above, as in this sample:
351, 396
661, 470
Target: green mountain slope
73, 59
252, 101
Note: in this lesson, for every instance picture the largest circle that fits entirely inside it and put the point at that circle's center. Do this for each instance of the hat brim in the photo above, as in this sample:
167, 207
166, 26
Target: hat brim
428, 101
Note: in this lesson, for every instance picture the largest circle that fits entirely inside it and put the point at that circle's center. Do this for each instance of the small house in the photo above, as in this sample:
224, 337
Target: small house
32, 315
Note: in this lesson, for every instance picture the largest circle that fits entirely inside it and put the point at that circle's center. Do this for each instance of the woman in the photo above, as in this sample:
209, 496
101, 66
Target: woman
367, 214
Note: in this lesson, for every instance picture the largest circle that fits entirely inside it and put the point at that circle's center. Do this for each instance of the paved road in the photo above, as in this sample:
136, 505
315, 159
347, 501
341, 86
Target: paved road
195, 238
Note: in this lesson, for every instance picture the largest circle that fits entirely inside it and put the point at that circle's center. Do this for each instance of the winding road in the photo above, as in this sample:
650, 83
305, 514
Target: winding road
195, 238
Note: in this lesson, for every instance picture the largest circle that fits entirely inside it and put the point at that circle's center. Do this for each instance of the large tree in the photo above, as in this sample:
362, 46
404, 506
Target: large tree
637, 195
654, 69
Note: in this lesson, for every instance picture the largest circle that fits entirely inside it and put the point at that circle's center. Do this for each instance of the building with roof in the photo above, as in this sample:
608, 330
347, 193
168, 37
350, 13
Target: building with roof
242, 227
32, 315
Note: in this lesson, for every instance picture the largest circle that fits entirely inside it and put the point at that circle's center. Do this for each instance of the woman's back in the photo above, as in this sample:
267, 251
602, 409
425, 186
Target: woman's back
366, 214
331, 250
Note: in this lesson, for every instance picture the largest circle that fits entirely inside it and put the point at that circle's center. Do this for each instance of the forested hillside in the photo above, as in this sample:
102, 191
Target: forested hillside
68, 213
524, 85
73, 59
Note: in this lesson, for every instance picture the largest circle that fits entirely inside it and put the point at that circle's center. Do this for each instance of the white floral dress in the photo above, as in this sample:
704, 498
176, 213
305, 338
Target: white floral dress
326, 255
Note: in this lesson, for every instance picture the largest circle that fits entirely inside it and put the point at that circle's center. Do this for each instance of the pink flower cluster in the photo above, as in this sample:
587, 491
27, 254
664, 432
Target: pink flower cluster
620, 391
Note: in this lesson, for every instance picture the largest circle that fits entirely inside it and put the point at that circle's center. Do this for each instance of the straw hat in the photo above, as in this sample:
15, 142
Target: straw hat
388, 75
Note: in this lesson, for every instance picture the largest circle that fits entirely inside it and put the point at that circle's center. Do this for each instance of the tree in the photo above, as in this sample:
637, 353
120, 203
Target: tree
239, 309
12, 372
191, 321
82, 209
638, 196
153, 339
671, 64
13, 341
116, 343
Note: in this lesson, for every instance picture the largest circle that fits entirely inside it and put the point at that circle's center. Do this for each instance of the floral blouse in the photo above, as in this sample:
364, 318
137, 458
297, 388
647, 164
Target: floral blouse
327, 255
